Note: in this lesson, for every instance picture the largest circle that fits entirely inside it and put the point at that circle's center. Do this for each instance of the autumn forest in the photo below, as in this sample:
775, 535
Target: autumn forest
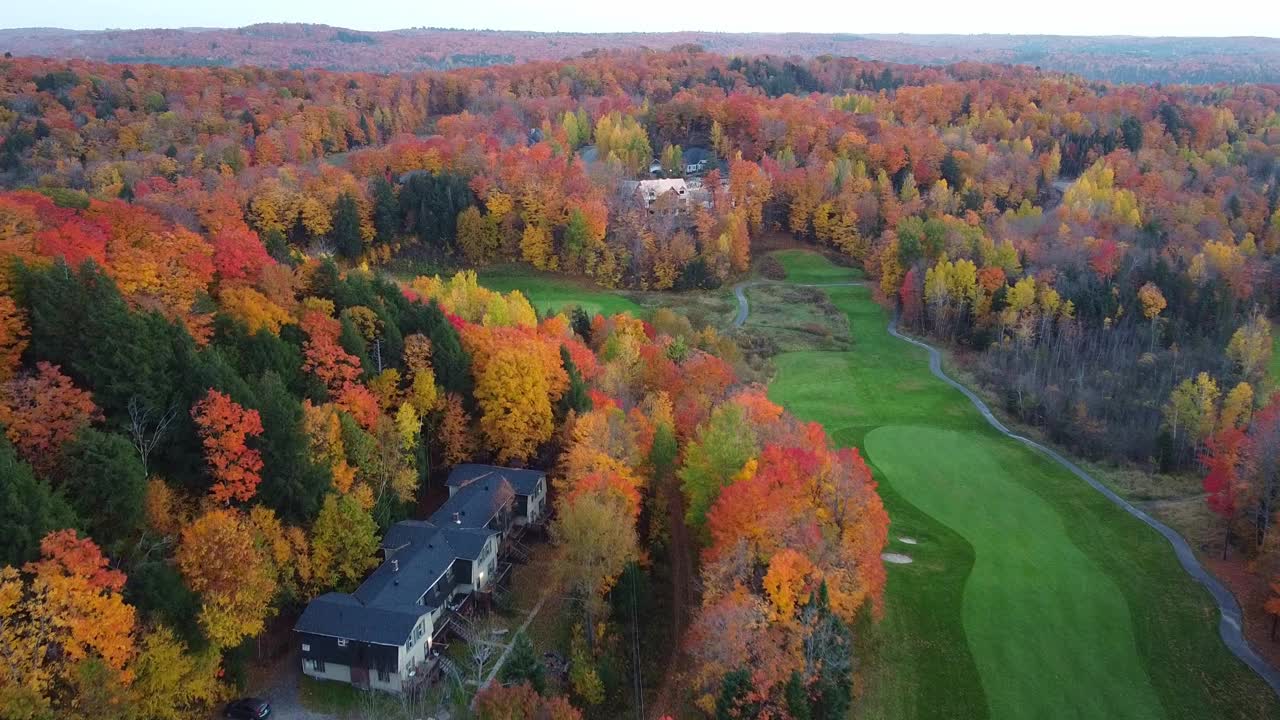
245, 329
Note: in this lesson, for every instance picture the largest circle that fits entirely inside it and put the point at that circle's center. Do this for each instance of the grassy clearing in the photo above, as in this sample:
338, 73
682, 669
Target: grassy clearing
786, 318
550, 628
1031, 595
551, 292
808, 267
1274, 370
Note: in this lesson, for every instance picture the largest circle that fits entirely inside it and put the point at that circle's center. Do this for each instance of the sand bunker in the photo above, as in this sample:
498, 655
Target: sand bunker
907, 540
895, 558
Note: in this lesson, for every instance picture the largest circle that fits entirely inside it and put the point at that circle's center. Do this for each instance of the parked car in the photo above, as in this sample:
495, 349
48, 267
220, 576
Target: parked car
248, 709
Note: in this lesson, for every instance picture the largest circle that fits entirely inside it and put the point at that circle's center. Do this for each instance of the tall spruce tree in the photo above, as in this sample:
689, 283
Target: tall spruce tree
346, 227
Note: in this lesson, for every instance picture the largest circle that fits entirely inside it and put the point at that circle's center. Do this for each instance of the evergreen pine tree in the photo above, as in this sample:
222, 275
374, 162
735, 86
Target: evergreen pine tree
576, 398
103, 478
29, 509
291, 484
734, 702
386, 211
523, 665
450, 360
346, 227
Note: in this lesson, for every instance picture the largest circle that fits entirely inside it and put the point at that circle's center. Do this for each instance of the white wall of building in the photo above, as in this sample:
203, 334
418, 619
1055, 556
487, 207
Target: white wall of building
331, 671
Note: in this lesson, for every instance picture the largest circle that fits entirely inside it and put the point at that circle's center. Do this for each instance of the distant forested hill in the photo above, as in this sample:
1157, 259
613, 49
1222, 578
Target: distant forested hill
297, 46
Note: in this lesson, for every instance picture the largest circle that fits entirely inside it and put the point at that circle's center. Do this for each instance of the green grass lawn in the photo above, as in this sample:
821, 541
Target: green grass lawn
1275, 356
343, 700
1031, 595
551, 292
807, 267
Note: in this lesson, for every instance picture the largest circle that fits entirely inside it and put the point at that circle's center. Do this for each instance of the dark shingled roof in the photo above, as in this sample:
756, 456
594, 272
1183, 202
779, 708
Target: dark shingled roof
341, 615
523, 482
475, 503
694, 155
384, 609
424, 553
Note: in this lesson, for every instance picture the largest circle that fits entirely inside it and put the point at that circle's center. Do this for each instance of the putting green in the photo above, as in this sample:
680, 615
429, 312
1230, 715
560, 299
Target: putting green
1030, 594
1048, 628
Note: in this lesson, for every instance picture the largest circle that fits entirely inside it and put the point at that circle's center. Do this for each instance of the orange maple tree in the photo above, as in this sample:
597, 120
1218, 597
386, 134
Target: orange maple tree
63, 609
13, 337
225, 427
219, 558
41, 411
521, 702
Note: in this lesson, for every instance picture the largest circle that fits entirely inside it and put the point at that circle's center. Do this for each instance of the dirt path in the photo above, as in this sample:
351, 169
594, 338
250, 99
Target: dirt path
506, 647
682, 595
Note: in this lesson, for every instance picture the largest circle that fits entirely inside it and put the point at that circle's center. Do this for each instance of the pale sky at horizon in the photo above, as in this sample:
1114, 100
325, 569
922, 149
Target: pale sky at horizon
1077, 17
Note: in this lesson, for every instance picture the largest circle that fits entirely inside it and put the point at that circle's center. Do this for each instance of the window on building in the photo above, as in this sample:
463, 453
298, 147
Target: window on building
384, 676
317, 665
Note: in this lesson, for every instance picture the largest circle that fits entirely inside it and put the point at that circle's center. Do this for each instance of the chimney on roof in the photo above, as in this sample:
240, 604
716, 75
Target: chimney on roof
457, 518
395, 565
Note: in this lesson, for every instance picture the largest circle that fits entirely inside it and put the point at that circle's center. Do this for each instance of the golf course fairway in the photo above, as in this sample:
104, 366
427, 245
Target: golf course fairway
1030, 595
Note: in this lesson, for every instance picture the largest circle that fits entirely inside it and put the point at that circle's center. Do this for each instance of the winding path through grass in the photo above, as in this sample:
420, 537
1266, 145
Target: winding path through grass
1032, 594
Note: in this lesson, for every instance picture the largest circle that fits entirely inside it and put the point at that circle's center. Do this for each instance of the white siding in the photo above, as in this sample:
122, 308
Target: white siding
417, 651
332, 671
486, 563
391, 685
536, 500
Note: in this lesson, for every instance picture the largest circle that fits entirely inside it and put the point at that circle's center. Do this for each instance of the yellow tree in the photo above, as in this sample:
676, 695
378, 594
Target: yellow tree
283, 547
343, 542
457, 443
1192, 407
253, 309
536, 248
1153, 303
595, 538
173, 683
64, 609
422, 392
750, 188
1237, 408
1250, 346
513, 394
219, 558
324, 433
478, 236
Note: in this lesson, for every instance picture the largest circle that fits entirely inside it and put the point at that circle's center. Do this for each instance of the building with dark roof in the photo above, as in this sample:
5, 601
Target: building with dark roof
696, 160
529, 488
382, 635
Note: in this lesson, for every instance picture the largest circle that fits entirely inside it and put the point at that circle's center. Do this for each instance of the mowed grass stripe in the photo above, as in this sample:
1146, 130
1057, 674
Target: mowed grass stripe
918, 661
884, 381
1049, 629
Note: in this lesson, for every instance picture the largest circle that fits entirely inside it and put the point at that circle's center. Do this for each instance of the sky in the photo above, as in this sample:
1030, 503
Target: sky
1073, 17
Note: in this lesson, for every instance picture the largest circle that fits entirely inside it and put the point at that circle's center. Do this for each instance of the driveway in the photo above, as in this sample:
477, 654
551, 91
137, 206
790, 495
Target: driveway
281, 690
